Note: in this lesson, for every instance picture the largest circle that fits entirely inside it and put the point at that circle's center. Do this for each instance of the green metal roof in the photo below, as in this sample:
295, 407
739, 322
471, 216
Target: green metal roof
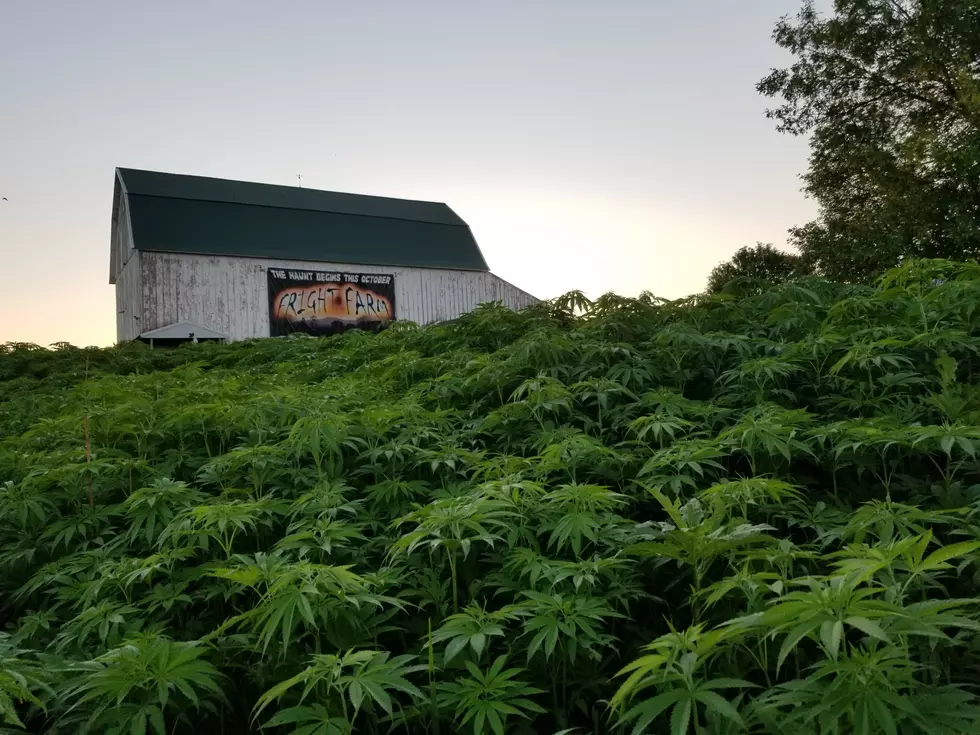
195, 214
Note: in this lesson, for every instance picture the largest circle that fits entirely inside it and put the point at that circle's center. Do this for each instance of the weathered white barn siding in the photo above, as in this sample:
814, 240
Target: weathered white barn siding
124, 272
129, 299
231, 295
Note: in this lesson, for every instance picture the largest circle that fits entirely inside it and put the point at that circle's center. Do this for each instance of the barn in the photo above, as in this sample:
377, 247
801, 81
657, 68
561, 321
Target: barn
202, 258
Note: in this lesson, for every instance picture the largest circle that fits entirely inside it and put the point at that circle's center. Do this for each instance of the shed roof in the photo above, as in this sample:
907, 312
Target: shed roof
182, 330
196, 214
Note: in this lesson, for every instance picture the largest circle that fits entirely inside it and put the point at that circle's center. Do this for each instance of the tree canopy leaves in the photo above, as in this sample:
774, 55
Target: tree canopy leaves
759, 268
889, 93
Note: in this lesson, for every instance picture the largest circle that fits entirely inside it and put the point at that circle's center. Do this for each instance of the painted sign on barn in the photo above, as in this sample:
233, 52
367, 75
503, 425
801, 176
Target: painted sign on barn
321, 302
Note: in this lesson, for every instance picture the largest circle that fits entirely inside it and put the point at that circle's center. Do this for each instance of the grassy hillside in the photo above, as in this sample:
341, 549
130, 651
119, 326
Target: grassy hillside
754, 513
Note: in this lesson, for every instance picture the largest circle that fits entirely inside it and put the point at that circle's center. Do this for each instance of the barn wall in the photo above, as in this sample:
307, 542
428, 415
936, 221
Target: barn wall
125, 273
230, 295
122, 238
129, 300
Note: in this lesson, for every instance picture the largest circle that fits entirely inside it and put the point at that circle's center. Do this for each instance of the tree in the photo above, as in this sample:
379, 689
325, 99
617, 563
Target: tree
889, 91
762, 263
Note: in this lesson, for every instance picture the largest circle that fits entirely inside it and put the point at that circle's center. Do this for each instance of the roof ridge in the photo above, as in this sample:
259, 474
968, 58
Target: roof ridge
303, 209
145, 182
224, 180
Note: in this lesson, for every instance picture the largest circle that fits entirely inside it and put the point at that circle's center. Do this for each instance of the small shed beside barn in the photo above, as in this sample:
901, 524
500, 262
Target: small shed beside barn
202, 258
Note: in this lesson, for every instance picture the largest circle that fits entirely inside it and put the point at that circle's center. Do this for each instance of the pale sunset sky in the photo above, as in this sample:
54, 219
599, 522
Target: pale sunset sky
605, 146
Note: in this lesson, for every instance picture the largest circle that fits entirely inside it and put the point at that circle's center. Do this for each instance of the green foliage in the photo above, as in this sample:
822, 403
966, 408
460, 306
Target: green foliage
486, 700
21, 680
754, 269
135, 688
346, 683
755, 512
889, 93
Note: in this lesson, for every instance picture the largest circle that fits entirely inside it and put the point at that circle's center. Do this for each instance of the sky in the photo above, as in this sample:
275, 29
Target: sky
602, 146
